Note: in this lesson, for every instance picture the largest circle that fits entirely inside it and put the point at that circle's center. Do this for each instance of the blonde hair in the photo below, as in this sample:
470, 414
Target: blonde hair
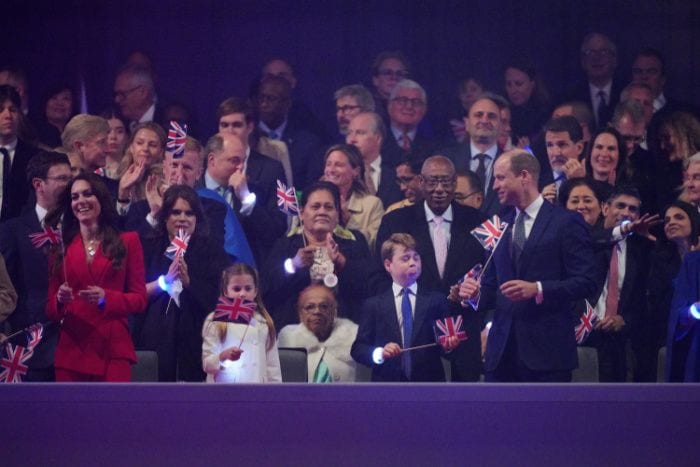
242, 269
81, 128
139, 191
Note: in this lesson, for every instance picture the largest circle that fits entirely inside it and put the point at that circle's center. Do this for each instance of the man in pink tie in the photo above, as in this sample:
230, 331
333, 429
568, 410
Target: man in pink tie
441, 228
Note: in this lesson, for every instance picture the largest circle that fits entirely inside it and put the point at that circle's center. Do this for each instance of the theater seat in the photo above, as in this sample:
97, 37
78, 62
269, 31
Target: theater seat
587, 371
661, 365
146, 368
293, 365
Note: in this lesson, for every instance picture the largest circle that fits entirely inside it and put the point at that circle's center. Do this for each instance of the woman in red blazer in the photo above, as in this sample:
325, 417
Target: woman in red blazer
96, 281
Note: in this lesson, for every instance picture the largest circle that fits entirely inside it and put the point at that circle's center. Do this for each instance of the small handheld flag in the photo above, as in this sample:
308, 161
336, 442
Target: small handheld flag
449, 327
48, 235
287, 199
177, 137
474, 273
13, 366
234, 311
490, 232
585, 326
178, 246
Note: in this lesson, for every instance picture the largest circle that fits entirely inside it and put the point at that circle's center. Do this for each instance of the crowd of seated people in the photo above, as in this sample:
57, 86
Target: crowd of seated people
322, 232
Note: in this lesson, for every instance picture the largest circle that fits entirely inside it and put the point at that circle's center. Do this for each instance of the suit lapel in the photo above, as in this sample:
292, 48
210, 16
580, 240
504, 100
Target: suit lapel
389, 309
254, 167
422, 236
419, 314
538, 229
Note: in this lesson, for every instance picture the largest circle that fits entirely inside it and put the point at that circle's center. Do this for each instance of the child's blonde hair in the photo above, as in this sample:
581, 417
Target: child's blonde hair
240, 269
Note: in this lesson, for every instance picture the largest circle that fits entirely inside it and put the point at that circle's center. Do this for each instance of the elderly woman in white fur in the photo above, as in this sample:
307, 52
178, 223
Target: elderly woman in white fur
326, 338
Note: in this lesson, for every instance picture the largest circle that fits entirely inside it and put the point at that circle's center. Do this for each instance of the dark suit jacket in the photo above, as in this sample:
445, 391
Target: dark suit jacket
16, 194
581, 92
393, 154
559, 254
463, 253
266, 223
305, 155
380, 325
28, 269
388, 190
460, 155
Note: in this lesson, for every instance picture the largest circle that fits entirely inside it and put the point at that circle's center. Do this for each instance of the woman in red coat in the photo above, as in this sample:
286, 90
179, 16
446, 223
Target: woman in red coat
96, 281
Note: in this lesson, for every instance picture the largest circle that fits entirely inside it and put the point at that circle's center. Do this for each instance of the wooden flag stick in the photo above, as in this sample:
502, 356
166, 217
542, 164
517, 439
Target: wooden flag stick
244, 333
424, 346
483, 270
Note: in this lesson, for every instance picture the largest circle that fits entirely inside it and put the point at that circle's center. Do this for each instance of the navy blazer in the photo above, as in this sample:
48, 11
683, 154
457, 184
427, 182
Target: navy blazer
380, 325
558, 253
28, 269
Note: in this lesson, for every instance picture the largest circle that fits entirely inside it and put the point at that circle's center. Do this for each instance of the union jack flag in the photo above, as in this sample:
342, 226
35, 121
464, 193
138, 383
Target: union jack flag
234, 311
34, 334
48, 235
585, 326
287, 198
13, 366
178, 246
177, 137
100, 171
450, 327
490, 232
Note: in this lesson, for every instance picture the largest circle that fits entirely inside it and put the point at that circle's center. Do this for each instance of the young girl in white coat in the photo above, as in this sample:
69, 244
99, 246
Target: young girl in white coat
241, 352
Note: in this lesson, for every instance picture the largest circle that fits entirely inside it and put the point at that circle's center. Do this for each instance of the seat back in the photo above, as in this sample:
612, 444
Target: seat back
587, 371
293, 364
661, 365
146, 368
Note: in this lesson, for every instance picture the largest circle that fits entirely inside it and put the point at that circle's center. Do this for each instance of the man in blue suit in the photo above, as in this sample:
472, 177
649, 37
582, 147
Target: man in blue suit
545, 264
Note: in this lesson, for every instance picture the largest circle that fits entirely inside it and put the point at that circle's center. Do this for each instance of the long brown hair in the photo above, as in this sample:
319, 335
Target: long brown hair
240, 269
108, 220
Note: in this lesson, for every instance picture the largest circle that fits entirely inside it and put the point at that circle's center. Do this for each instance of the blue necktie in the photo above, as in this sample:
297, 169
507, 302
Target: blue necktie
407, 316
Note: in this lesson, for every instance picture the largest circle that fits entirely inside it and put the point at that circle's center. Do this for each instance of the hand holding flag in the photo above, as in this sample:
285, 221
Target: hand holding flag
586, 323
449, 327
178, 245
13, 367
448, 334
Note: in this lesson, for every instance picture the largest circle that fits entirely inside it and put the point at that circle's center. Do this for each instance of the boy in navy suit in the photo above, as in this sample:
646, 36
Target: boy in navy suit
402, 317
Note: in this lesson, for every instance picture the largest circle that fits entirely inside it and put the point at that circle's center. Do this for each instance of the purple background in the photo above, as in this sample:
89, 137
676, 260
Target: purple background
205, 51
